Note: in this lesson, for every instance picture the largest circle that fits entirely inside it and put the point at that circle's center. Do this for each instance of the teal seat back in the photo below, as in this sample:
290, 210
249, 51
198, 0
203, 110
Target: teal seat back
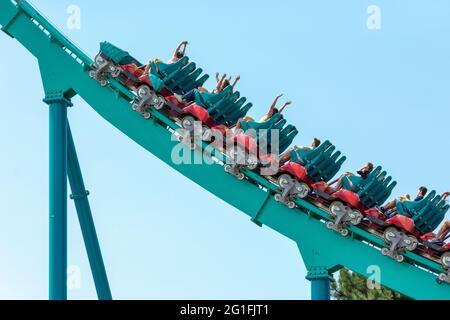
179, 77
429, 215
117, 55
375, 189
322, 163
411, 208
225, 107
262, 132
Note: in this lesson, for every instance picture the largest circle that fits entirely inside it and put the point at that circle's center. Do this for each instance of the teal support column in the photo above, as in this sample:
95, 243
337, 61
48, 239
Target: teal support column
58, 196
320, 283
80, 197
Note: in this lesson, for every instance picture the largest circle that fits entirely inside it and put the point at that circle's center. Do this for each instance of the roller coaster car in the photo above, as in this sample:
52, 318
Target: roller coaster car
165, 79
438, 252
216, 111
252, 148
415, 221
307, 167
108, 62
350, 204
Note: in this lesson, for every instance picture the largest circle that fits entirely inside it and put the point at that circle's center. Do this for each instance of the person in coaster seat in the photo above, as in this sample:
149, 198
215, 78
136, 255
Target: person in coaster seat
390, 209
345, 181
273, 109
444, 231
286, 156
179, 53
222, 83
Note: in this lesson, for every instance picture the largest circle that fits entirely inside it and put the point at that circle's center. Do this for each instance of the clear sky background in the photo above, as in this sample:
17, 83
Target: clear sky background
379, 95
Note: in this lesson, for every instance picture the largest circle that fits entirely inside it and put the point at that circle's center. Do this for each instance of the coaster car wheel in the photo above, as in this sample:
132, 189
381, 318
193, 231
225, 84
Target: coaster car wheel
252, 162
143, 91
291, 204
390, 234
411, 243
399, 258
206, 133
135, 107
228, 168
147, 115
278, 197
336, 208
385, 251
284, 180
92, 74
115, 71
302, 190
443, 277
344, 232
103, 82
356, 217
99, 60
330, 225
445, 260
188, 123
240, 176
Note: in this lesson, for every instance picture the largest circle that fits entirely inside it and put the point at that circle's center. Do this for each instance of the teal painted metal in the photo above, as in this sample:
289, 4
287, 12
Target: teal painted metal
80, 197
304, 225
58, 199
320, 283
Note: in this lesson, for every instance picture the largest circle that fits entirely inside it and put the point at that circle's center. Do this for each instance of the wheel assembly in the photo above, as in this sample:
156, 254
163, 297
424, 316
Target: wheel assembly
291, 205
143, 91
330, 225
445, 260
411, 243
355, 217
344, 232
336, 208
385, 251
188, 123
103, 82
390, 234
206, 133
302, 190
147, 115
278, 198
99, 60
443, 277
252, 162
399, 258
284, 181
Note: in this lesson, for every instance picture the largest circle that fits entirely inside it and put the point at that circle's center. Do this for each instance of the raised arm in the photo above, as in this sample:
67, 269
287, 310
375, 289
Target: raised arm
272, 107
219, 84
183, 45
285, 105
236, 81
445, 195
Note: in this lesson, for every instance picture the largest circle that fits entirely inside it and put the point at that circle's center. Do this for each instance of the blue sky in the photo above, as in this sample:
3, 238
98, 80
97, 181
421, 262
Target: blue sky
379, 95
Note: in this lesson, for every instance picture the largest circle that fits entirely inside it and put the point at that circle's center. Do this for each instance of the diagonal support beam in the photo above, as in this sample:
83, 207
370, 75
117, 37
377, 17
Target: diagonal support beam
80, 197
